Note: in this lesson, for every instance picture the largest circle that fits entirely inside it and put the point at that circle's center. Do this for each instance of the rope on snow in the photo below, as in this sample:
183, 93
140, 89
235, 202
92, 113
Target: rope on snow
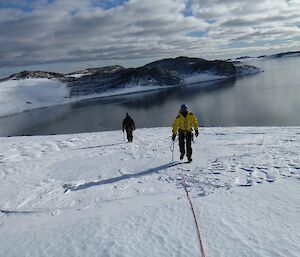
194, 215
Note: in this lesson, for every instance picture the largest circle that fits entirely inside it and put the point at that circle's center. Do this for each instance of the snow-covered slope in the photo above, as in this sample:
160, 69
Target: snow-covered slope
95, 195
20, 95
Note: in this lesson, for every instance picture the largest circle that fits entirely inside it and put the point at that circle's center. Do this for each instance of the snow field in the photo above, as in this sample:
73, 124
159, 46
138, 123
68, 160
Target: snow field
21, 95
96, 195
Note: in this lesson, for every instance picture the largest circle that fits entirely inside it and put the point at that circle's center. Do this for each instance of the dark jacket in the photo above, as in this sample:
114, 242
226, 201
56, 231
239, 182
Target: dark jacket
128, 124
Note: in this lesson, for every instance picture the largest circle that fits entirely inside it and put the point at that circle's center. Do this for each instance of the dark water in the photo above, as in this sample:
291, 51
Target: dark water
271, 98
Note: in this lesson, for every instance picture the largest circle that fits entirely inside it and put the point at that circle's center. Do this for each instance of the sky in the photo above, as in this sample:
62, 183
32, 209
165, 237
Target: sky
64, 35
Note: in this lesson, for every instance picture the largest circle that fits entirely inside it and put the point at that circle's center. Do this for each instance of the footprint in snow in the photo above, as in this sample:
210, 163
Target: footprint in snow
216, 167
244, 182
294, 166
249, 170
269, 178
123, 171
257, 176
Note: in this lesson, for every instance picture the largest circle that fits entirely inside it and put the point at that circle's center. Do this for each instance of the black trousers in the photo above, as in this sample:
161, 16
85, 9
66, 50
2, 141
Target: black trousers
185, 139
129, 135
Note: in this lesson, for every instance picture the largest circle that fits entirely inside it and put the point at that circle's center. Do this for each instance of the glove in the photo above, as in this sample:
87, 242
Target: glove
196, 133
173, 137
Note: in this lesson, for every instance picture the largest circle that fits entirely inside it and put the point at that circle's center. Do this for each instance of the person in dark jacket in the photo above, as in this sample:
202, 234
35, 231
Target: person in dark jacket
129, 126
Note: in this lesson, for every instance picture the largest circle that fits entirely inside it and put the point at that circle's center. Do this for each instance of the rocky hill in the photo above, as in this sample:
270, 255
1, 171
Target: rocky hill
142, 76
35, 75
184, 66
164, 73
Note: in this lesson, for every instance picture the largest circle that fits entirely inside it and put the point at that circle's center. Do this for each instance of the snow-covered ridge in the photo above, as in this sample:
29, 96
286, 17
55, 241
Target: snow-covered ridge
96, 195
93, 71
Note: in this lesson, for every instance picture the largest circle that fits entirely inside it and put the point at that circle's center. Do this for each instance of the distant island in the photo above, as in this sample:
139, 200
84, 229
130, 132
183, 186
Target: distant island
279, 55
162, 73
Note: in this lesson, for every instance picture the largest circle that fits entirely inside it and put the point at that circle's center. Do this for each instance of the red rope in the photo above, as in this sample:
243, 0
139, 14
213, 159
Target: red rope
195, 218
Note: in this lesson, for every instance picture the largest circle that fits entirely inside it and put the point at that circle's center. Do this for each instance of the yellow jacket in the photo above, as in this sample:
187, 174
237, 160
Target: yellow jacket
185, 123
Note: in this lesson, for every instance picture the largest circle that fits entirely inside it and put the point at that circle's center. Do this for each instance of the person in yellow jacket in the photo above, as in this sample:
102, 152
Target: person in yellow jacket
184, 123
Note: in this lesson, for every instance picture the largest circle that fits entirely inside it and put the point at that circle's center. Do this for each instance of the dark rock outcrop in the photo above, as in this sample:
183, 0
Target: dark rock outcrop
261, 56
243, 57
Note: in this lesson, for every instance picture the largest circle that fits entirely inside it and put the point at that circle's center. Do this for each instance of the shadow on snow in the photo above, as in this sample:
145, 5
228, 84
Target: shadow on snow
120, 178
97, 146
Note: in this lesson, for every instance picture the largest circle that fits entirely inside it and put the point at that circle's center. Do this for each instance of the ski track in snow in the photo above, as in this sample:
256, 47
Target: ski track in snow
58, 176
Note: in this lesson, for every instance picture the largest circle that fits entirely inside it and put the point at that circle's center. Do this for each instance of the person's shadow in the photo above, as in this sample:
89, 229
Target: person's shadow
97, 146
119, 178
